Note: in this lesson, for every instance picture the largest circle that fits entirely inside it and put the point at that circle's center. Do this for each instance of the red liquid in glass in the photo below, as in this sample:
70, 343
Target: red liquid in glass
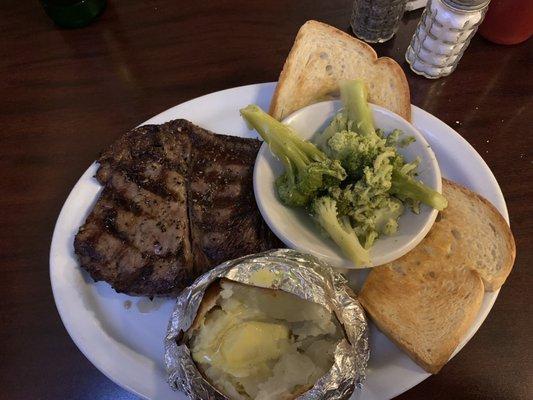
508, 21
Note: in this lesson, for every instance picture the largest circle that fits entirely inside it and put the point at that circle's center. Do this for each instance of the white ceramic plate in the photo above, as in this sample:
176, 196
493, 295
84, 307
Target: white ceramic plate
298, 231
123, 336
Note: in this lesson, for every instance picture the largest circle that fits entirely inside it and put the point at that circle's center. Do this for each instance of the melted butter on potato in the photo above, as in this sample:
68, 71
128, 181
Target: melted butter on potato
264, 344
250, 343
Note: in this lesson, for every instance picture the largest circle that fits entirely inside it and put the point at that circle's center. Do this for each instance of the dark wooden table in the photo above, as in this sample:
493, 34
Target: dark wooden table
66, 94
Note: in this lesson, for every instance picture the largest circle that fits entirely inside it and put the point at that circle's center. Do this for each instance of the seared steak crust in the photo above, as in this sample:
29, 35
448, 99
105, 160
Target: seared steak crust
177, 200
224, 219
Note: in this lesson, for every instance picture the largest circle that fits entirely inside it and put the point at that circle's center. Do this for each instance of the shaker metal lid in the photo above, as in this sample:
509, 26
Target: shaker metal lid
467, 5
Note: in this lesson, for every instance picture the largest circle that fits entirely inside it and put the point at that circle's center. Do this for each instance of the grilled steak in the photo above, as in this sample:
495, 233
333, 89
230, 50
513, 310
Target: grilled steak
177, 200
223, 215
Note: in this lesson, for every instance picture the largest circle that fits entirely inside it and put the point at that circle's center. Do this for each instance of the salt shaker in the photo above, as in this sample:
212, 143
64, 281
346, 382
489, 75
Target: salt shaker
443, 34
376, 21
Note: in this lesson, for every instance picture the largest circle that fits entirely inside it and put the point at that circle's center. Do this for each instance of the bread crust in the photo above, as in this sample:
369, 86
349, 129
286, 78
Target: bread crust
371, 54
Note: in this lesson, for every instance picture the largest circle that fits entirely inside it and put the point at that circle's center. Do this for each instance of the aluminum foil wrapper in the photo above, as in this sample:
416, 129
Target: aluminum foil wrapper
300, 274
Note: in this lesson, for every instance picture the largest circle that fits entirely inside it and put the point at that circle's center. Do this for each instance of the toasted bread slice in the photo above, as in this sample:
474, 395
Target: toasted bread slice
321, 57
483, 240
426, 300
424, 308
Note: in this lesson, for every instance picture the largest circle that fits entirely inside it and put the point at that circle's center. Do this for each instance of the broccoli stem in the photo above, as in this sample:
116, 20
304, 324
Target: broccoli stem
342, 233
408, 187
354, 98
282, 140
307, 169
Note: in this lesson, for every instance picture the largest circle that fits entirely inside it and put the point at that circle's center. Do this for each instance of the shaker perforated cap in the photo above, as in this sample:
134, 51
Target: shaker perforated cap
467, 4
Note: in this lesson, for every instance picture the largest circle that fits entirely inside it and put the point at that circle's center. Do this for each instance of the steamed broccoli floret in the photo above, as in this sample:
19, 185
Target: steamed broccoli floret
369, 204
379, 217
406, 187
395, 139
324, 210
359, 146
339, 123
354, 151
307, 169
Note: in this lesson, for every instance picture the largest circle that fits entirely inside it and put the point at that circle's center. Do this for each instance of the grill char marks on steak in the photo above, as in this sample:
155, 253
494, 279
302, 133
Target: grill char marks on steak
137, 236
224, 219
177, 200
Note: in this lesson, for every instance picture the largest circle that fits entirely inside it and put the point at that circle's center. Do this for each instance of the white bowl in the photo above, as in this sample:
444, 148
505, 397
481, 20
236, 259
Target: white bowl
297, 229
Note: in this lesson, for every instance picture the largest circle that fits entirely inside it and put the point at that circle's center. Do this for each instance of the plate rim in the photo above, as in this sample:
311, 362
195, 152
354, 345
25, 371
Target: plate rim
258, 87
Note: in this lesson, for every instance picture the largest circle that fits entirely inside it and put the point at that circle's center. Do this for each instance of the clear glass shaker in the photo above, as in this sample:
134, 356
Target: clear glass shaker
376, 21
443, 34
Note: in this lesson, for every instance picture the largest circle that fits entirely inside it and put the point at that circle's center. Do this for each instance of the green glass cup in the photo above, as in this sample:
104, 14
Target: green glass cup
73, 13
